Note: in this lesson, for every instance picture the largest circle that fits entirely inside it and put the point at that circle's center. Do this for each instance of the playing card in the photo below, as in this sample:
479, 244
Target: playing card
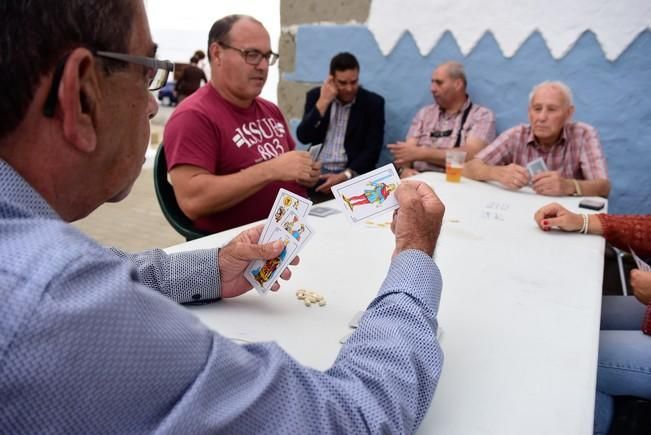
322, 211
536, 166
296, 228
368, 195
641, 264
263, 273
285, 201
314, 151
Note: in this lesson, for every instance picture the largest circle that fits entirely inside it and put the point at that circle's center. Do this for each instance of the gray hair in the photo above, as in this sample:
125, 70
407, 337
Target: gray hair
456, 71
560, 86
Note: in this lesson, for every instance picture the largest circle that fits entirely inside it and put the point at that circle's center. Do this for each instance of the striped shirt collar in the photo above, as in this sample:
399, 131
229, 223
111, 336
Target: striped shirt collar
562, 140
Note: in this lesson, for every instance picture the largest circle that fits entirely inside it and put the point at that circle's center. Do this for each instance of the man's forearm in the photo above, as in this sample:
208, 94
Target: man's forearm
478, 170
599, 187
205, 193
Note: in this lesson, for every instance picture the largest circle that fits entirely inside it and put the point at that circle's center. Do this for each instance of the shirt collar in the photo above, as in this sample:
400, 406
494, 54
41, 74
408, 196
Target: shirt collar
20, 196
345, 106
461, 109
531, 140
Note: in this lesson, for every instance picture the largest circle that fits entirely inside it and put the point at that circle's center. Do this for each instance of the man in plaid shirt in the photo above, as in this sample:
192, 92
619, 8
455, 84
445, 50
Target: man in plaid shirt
571, 150
453, 121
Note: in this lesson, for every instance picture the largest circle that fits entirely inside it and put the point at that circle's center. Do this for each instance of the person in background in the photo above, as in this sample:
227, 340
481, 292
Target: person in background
624, 341
229, 151
191, 79
347, 119
571, 150
453, 121
203, 62
88, 344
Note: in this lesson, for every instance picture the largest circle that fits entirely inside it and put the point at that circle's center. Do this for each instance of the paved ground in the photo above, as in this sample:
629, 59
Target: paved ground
136, 223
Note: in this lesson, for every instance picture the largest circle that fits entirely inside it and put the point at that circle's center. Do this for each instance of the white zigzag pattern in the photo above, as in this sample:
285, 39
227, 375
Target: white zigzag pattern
560, 22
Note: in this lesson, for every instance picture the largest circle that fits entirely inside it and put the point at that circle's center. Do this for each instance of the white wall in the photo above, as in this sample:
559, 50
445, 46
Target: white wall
180, 27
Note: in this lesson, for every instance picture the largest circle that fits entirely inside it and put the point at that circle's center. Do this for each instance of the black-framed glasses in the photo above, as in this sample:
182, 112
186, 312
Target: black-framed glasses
252, 56
158, 71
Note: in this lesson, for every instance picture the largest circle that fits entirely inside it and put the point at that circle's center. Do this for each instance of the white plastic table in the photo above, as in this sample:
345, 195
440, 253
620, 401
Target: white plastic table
519, 312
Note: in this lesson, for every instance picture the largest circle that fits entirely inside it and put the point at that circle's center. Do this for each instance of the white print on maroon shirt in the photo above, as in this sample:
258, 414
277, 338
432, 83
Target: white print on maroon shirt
265, 134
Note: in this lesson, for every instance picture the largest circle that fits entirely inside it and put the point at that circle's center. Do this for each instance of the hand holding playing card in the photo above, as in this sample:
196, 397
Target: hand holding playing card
288, 231
512, 176
417, 223
641, 283
293, 165
537, 166
314, 175
236, 256
551, 183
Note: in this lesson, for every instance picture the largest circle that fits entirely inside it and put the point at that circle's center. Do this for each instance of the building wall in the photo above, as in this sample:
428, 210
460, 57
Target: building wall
601, 50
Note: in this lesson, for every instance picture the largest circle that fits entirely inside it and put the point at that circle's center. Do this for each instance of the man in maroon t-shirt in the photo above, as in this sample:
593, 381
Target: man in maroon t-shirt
229, 151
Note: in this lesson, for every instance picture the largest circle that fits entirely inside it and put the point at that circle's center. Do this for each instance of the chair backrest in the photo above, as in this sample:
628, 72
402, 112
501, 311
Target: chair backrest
167, 200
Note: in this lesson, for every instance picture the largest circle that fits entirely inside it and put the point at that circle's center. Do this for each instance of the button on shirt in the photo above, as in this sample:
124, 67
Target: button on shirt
577, 154
333, 154
479, 124
88, 346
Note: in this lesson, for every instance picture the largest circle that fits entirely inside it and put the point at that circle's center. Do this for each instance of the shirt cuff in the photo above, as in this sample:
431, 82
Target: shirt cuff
414, 273
194, 276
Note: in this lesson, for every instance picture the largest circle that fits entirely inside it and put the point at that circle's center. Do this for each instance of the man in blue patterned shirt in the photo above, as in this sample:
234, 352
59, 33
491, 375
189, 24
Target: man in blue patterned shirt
86, 346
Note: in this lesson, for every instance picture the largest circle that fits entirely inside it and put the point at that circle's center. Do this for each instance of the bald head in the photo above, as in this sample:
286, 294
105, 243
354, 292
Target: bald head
550, 108
221, 29
455, 71
449, 86
561, 88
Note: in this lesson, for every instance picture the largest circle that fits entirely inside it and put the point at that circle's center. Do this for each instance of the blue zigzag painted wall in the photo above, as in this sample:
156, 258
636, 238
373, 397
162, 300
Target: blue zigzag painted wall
613, 96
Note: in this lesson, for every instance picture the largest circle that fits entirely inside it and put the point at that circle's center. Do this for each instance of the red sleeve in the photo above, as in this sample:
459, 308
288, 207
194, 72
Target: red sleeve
646, 326
623, 231
190, 139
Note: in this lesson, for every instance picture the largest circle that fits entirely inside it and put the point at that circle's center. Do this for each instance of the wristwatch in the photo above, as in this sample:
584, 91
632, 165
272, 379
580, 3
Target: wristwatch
348, 173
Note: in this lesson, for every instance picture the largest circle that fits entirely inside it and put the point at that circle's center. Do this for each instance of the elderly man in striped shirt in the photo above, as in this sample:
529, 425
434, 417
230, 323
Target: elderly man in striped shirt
571, 150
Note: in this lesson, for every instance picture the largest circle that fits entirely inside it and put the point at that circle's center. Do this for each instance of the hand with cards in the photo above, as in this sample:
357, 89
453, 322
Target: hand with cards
641, 264
546, 182
511, 176
536, 166
286, 223
368, 195
235, 256
641, 283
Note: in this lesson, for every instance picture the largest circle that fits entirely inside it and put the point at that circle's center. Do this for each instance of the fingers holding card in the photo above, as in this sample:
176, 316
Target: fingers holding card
368, 195
263, 273
536, 166
286, 222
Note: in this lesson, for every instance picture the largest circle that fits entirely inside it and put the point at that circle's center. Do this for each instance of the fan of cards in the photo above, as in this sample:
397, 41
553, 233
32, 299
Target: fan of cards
287, 223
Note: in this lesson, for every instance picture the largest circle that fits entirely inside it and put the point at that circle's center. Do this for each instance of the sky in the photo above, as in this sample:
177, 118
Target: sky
181, 27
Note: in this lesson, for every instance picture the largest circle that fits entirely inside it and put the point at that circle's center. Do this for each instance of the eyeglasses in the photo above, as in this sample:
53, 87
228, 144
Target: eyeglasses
253, 57
160, 68
158, 71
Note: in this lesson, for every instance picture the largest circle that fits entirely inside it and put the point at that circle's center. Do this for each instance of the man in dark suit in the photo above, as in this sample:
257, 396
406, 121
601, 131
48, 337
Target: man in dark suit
347, 119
